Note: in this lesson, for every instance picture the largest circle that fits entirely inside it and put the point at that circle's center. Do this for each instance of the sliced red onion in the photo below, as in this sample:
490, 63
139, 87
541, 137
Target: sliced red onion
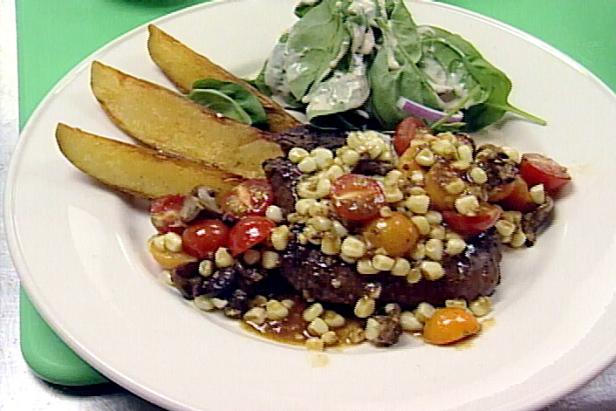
427, 113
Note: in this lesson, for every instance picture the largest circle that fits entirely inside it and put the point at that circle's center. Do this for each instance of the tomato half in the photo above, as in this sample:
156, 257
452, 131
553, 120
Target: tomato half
539, 169
356, 197
251, 197
248, 232
203, 238
405, 132
165, 213
519, 199
472, 225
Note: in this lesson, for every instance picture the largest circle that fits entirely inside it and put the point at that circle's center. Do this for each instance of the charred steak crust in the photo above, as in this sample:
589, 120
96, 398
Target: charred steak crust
283, 175
326, 278
309, 137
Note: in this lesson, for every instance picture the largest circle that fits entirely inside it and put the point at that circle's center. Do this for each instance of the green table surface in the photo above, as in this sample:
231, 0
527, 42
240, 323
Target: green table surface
53, 36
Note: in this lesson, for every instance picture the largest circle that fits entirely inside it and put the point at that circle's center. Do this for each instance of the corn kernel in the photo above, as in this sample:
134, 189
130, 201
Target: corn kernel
478, 175
419, 252
173, 242
443, 147
432, 270
372, 330
385, 211
401, 267
297, 154
465, 153
460, 165
438, 232
256, 315
383, 263
422, 224
330, 245
333, 319
312, 312
417, 177
287, 302
158, 242
434, 217
505, 228
366, 267
320, 223
223, 258
203, 303
323, 157
467, 205
434, 249
350, 157
219, 303
537, 193
258, 301
512, 153
457, 303
364, 307
307, 165
409, 322
418, 203
339, 229
392, 309
481, 306
275, 310
392, 178
455, 246
334, 172
205, 268
303, 205
393, 194
314, 344
353, 247
414, 276
317, 327
455, 186
270, 260
424, 312
280, 237
274, 213
329, 338
425, 157
518, 239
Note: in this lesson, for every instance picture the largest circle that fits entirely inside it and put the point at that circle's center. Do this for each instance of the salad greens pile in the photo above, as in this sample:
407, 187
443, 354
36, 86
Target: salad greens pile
347, 63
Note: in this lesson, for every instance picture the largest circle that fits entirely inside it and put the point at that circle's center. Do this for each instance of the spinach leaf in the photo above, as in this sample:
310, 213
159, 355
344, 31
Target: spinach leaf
259, 82
492, 103
229, 99
388, 84
314, 43
304, 7
405, 30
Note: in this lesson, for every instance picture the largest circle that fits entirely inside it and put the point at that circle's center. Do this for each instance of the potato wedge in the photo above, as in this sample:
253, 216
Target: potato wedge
137, 170
169, 122
183, 66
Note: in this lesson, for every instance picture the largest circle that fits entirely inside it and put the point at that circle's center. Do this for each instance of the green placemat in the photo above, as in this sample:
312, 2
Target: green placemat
53, 36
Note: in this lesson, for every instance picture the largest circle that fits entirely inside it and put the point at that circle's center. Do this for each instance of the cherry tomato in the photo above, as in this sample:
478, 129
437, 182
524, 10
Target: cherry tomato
396, 234
203, 238
448, 325
435, 180
251, 197
405, 132
168, 259
356, 197
248, 232
500, 192
539, 169
165, 213
519, 199
472, 225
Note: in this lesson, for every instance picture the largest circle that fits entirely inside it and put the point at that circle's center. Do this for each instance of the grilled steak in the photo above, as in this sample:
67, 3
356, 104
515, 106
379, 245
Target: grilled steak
469, 275
283, 175
309, 138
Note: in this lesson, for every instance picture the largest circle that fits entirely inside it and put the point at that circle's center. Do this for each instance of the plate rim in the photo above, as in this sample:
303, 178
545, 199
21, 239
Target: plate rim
590, 370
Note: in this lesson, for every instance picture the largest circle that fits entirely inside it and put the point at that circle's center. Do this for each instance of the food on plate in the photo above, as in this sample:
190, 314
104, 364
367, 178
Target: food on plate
169, 122
354, 63
328, 236
184, 67
344, 227
137, 170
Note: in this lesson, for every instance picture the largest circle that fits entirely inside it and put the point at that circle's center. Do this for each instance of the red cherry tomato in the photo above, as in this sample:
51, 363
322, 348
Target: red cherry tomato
519, 199
472, 225
405, 132
251, 197
248, 232
356, 197
539, 169
203, 238
165, 213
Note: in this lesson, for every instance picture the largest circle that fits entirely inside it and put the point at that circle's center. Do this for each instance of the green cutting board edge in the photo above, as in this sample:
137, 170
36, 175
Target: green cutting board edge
51, 41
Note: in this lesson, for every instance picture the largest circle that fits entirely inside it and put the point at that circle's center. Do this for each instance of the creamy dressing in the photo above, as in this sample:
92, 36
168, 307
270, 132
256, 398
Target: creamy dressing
444, 83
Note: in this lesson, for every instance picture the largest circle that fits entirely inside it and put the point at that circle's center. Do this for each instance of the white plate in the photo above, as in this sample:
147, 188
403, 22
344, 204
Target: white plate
80, 250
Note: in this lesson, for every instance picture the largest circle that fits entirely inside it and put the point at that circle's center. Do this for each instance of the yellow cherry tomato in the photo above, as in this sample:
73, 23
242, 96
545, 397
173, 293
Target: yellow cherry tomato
396, 234
169, 260
449, 325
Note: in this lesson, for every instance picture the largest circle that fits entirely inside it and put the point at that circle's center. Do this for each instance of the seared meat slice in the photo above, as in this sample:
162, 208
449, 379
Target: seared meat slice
283, 175
309, 137
536, 220
498, 166
325, 278
372, 167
